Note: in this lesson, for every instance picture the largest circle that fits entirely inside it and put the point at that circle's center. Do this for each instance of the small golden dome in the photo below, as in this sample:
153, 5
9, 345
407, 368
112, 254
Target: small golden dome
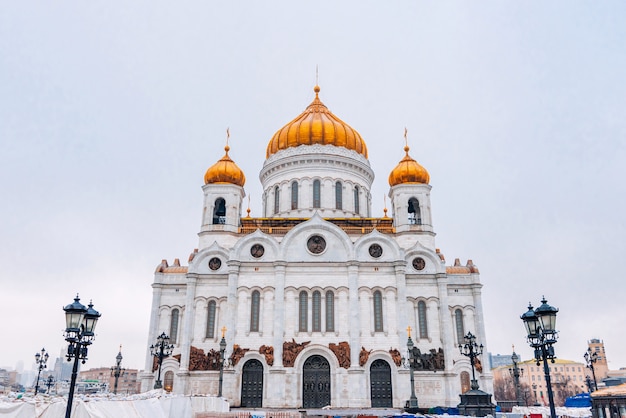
225, 171
316, 125
408, 171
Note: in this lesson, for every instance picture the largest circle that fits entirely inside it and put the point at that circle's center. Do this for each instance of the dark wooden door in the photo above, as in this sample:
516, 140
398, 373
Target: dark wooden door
316, 382
252, 384
380, 384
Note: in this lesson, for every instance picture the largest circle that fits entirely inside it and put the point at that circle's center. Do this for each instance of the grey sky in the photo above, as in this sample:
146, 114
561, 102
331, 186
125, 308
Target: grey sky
110, 113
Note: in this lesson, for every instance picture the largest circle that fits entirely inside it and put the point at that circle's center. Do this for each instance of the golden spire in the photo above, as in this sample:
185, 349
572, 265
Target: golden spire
408, 170
385, 207
248, 210
408, 331
223, 331
225, 170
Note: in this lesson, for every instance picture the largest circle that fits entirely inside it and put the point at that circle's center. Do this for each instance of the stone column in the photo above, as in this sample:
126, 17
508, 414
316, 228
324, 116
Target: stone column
279, 313
182, 386
401, 310
355, 318
232, 303
446, 329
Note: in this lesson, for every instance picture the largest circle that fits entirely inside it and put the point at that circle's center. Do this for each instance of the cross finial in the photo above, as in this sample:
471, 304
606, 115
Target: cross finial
406, 140
223, 331
227, 135
408, 330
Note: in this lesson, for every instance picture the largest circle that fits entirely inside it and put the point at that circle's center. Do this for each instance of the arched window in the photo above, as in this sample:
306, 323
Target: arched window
338, 195
210, 322
317, 311
458, 321
168, 381
294, 195
174, 325
330, 311
317, 201
254, 311
276, 200
378, 311
465, 382
303, 311
415, 214
356, 200
421, 316
219, 212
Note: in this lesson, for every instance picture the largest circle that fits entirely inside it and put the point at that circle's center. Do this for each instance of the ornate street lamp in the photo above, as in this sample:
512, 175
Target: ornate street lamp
162, 349
589, 383
222, 360
472, 350
541, 329
49, 382
515, 373
79, 333
590, 358
411, 405
117, 370
40, 360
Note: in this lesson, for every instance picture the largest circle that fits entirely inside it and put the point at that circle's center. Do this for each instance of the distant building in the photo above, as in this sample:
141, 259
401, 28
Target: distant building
63, 368
126, 384
568, 378
499, 360
601, 366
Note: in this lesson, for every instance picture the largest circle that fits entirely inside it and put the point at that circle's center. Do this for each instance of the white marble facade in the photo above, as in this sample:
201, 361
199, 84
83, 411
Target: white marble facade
317, 272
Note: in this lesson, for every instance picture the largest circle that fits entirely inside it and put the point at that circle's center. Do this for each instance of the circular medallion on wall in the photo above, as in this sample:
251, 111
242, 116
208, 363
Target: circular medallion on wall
419, 263
376, 250
316, 244
215, 263
257, 251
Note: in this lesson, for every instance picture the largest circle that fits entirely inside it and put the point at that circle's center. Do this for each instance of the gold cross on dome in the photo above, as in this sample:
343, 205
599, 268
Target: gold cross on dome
223, 331
408, 330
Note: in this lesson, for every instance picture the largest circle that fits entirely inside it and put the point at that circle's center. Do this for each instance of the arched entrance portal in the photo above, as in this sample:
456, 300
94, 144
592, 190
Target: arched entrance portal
252, 384
315, 382
380, 384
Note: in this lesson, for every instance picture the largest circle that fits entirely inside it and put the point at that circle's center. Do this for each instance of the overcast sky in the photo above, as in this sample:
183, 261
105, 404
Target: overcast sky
111, 112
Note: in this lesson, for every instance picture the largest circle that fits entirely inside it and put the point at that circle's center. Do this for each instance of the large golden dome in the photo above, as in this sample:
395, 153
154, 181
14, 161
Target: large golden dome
408, 171
225, 171
316, 125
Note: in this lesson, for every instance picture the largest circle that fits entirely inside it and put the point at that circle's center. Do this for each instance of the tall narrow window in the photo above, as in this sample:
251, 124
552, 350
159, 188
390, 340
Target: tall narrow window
174, 325
415, 214
465, 382
219, 212
294, 195
276, 200
316, 194
378, 311
421, 316
330, 311
254, 311
357, 209
317, 311
210, 322
338, 195
168, 381
458, 321
303, 311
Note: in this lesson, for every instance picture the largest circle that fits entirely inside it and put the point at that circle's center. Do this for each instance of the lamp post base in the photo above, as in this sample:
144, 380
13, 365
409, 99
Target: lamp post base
411, 406
476, 403
158, 385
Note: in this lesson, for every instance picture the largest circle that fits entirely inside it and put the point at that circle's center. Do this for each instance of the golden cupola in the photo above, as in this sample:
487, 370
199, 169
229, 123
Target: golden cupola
408, 171
316, 125
225, 171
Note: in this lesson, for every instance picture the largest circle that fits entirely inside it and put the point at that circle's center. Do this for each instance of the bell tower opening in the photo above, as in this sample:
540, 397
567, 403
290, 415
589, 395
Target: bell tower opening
219, 212
415, 214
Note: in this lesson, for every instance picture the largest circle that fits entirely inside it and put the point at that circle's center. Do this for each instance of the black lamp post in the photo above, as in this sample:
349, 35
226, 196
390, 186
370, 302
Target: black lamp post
472, 350
222, 360
40, 359
49, 382
515, 373
162, 349
411, 405
79, 333
117, 370
589, 383
541, 329
590, 358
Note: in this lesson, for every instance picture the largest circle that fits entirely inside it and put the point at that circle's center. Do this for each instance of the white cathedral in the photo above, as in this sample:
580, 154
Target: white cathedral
315, 299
